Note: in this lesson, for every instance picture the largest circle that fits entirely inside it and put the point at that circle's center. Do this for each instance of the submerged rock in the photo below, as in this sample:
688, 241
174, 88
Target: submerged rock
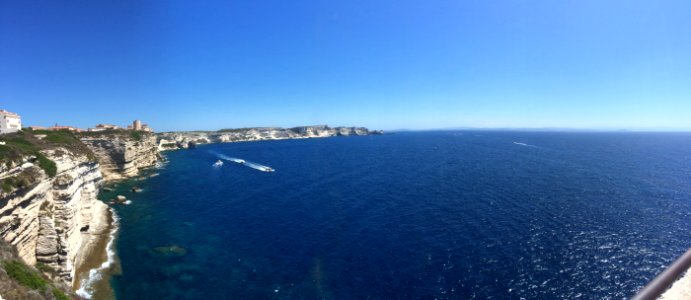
170, 251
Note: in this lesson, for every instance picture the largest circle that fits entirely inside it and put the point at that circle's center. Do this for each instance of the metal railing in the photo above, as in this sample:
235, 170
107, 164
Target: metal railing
662, 282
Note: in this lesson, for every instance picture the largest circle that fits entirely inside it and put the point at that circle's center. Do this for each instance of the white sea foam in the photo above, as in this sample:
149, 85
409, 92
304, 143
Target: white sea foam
128, 202
161, 164
86, 285
525, 145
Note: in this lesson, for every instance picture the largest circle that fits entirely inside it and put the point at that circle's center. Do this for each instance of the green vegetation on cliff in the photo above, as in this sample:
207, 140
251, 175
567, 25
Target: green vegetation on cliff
20, 181
26, 143
30, 278
20, 281
136, 135
112, 134
25, 275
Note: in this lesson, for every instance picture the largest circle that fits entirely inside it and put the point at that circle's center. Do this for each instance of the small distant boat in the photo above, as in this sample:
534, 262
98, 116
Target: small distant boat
218, 163
266, 169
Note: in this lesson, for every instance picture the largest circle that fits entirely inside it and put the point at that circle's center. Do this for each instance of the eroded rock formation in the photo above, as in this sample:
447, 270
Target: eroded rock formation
54, 221
43, 220
122, 155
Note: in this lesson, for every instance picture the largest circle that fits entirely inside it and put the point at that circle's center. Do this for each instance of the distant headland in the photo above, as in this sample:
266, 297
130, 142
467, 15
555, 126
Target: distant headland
186, 139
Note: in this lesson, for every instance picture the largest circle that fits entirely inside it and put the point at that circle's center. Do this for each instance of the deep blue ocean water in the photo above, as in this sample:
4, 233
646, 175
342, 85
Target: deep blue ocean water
427, 215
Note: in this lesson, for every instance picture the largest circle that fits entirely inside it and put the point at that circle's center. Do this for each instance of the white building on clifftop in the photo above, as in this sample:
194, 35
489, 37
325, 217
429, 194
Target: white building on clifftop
9, 122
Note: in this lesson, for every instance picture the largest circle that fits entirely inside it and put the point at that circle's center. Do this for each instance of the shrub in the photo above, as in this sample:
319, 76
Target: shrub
46, 164
43, 267
21, 143
136, 135
60, 137
7, 185
25, 275
59, 294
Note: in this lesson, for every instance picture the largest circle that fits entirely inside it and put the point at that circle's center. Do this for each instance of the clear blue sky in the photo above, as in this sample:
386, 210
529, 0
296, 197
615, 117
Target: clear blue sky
181, 65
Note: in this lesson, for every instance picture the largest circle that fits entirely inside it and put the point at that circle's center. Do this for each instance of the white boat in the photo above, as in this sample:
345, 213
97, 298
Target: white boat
237, 160
266, 169
218, 163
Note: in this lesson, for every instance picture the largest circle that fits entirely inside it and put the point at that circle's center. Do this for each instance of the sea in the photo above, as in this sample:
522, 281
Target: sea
410, 215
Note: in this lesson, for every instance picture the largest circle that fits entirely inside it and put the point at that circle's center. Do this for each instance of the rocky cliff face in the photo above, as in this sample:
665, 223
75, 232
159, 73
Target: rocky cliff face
48, 219
49, 211
123, 155
175, 140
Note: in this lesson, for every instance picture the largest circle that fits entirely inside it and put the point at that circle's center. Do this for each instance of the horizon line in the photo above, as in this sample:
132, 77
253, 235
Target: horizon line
548, 129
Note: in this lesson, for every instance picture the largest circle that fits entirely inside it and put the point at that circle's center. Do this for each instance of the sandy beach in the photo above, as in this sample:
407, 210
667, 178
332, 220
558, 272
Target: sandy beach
93, 265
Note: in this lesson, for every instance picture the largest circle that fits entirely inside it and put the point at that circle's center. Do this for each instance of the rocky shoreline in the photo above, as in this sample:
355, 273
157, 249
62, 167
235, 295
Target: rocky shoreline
96, 261
49, 206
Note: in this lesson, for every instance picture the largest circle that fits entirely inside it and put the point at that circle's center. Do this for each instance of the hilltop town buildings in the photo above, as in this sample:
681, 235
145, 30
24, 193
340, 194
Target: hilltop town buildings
9, 122
139, 126
103, 127
136, 125
70, 128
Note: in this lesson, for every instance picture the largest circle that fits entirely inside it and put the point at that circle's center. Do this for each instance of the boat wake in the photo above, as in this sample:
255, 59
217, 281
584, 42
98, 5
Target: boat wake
252, 165
525, 145
259, 167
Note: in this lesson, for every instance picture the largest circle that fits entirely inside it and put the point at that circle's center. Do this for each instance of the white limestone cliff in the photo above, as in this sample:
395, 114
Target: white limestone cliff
122, 156
176, 140
54, 221
49, 221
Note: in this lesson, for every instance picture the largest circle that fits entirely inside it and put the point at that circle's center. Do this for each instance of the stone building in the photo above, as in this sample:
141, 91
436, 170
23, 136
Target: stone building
103, 127
9, 122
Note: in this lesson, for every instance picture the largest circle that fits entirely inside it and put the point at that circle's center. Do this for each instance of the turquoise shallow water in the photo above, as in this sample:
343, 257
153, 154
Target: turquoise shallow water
446, 215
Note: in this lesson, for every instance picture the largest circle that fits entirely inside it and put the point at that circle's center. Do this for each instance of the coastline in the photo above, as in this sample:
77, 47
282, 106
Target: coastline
95, 263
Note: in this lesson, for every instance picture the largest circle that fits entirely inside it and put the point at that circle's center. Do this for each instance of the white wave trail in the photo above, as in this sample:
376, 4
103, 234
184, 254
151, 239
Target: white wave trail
228, 158
86, 285
257, 166
525, 145
252, 165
